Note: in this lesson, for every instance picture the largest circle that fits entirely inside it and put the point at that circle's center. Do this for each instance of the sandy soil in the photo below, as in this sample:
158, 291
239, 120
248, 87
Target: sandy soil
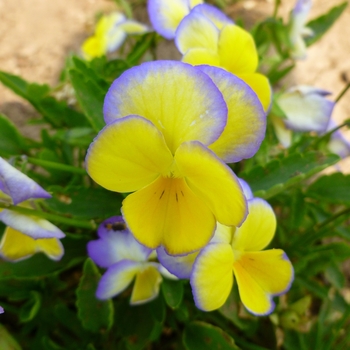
36, 36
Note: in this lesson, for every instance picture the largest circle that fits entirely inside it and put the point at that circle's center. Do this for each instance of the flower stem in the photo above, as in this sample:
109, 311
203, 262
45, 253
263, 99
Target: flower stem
342, 92
52, 217
56, 166
275, 10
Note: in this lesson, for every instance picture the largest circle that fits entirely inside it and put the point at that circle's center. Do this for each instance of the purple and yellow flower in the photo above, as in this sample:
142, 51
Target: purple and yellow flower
306, 109
204, 37
168, 125
126, 260
110, 32
260, 275
298, 30
25, 235
166, 15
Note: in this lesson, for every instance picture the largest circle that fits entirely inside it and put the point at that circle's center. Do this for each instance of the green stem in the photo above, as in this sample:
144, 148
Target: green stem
52, 217
313, 233
56, 166
342, 92
275, 10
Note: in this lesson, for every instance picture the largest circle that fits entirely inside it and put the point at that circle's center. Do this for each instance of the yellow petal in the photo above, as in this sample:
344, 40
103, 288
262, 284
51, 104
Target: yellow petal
127, 155
258, 228
146, 287
212, 181
196, 31
283, 134
260, 275
246, 120
199, 56
168, 213
94, 46
237, 50
261, 86
167, 93
16, 246
212, 276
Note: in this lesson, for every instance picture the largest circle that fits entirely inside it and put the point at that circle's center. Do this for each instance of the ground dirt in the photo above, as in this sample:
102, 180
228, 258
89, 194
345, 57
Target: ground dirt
37, 35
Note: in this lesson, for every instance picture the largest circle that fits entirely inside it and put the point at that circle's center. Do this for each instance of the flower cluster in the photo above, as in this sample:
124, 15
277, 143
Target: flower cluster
170, 128
25, 234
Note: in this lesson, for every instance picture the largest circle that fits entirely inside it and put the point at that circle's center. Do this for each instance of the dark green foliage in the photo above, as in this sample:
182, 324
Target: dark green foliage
95, 315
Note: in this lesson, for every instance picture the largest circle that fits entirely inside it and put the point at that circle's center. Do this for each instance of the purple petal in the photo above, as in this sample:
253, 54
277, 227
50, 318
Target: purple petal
246, 189
214, 14
116, 243
1, 310
338, 144
32, 226
180, 266
306, 108
117, 278
17, 185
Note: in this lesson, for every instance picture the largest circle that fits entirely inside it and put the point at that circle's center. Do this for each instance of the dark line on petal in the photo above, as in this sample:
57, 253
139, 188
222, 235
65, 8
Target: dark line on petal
176, 197
161, 194
182, 193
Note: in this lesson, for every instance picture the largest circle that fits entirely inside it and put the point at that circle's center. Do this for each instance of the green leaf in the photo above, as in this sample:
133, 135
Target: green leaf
90, 96
55, 112
320, 25
137, 324
40, 266
95, 315
173, 292
335, 276
7, 342
278, 175
11, 141
84, 203
204, 336
30, 309
140, 48
333, 188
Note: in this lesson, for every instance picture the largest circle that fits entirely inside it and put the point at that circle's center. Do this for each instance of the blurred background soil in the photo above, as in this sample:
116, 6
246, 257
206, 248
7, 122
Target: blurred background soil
37, 35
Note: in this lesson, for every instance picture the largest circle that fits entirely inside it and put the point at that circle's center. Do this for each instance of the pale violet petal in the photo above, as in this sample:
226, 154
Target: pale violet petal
166, 15
180, 266
246, 189
338, 143
117, 278
219, 18
306, 108
32, 226
116, 243
1, 310
19, 186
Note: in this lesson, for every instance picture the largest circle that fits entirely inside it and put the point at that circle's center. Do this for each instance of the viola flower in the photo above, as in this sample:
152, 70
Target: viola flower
260, 275
338, 144
161, 117
306, 109
110, 33
181, 266
205, 38
25, 235
166, 15
297, 29
125, 260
